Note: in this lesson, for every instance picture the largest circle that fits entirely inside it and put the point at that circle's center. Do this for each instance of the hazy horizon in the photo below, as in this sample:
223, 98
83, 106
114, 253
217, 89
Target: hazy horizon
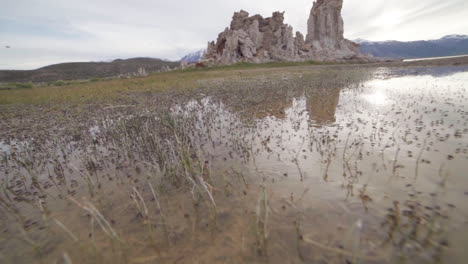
41, 33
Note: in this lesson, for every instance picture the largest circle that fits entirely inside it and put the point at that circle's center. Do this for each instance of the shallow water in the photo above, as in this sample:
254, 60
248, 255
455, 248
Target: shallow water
372, 171
440, 71
434, 58
360, 149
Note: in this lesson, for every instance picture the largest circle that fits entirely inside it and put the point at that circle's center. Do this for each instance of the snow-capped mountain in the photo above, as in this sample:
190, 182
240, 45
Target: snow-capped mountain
194, 56
456, 37
451, 45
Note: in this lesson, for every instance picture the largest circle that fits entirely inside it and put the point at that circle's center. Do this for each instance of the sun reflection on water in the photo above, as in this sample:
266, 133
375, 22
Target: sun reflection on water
377, 98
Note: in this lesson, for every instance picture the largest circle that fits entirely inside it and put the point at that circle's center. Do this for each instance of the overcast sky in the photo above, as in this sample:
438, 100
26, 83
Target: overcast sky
43, 32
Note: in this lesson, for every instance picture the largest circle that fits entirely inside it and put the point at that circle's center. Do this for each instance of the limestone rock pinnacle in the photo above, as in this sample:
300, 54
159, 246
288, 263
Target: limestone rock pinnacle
258, 39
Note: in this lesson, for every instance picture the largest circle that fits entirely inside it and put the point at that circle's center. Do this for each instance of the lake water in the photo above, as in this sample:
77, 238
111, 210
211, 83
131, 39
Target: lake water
434, 58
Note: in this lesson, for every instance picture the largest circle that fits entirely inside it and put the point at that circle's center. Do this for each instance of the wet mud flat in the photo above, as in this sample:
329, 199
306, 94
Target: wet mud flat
341, 164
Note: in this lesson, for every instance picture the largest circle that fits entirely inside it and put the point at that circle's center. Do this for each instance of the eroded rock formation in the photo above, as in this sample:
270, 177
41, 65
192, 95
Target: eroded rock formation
325, 30
254, 39
258, 39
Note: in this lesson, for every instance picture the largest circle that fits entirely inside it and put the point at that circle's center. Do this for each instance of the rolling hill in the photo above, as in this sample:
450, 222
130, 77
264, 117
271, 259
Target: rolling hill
86, 70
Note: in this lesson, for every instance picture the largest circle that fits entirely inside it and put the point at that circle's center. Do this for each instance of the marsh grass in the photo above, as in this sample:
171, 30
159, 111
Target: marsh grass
15, 86
110, 90
101, 90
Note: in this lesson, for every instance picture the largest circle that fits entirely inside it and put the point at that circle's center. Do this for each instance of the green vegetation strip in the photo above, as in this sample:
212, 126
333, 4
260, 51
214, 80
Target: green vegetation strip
97, 90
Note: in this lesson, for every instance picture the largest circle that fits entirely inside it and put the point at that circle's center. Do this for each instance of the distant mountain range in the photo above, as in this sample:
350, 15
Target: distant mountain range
194, 56
451, 45
87, 70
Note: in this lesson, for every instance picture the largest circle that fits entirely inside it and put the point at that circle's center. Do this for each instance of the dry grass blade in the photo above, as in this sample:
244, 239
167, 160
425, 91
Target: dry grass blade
70, 233
145, 208
66, 258
102, 222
